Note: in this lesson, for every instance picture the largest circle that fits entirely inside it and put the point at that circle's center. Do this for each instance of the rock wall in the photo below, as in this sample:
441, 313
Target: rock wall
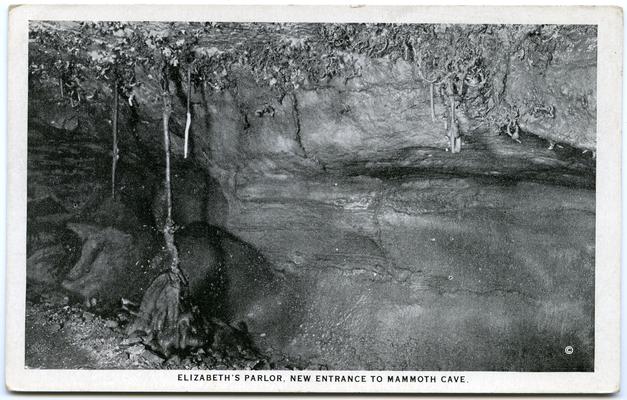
566, 81
413, 274
366, 244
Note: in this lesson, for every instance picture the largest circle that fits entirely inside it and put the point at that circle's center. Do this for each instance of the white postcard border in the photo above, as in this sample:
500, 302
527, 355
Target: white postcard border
606, 376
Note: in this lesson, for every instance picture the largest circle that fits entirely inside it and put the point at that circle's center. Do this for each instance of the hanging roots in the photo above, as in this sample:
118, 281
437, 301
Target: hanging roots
512, 130
188, 123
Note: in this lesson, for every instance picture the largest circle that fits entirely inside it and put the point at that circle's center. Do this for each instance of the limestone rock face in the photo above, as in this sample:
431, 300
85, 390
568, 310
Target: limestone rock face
378, 114
380, 264
565, 83
386, 109
114, 214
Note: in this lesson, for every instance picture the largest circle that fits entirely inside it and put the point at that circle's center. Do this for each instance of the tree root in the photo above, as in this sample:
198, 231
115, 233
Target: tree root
168, 324
512, 131
161, 306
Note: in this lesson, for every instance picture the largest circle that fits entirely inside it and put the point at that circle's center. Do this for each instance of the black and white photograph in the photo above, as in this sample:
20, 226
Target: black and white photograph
210, 195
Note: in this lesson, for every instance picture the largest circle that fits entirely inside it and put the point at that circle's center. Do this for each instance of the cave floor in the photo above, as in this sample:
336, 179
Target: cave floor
60, 335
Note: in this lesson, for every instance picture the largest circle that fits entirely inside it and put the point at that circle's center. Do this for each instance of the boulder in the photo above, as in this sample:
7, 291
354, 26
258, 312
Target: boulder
112, 265
201, 260
44, 264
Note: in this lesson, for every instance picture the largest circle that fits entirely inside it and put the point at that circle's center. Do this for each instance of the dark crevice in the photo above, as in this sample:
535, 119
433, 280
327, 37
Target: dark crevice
560, 177
296, 115
298, 134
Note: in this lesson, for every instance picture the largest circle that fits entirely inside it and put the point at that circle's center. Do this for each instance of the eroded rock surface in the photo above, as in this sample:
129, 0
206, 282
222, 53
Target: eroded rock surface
44, 265
348, 235
388, 264
559, 91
